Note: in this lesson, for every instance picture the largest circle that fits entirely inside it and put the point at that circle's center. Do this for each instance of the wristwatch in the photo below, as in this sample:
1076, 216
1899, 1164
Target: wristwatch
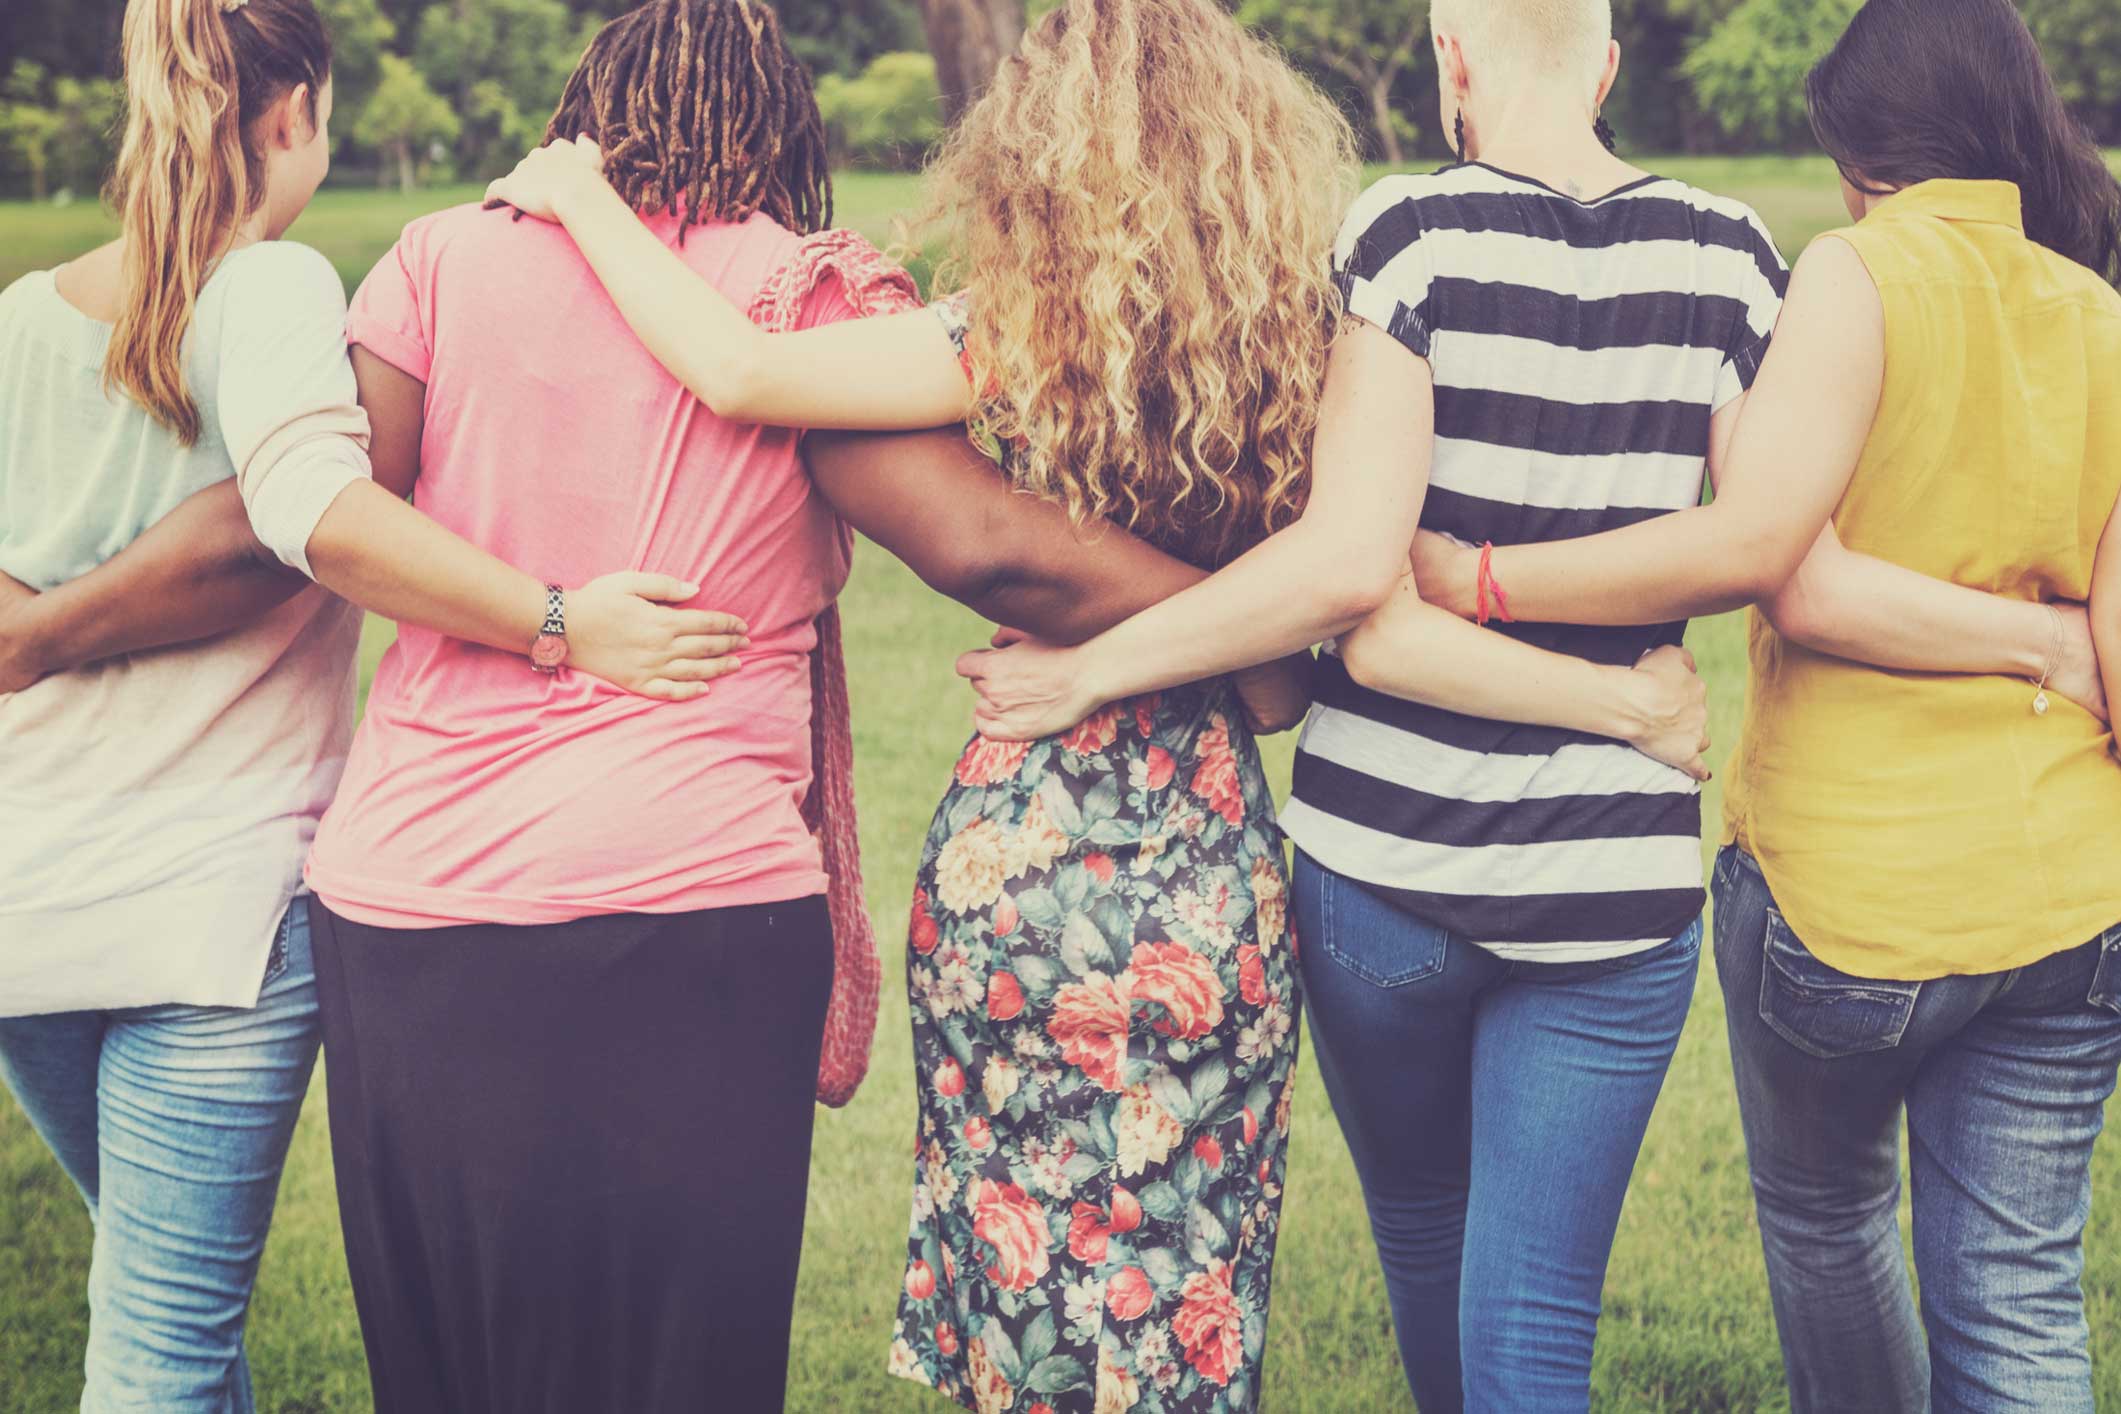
549, 652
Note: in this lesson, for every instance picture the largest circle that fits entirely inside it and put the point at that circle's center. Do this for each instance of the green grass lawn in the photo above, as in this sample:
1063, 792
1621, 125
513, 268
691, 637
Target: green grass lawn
1687, 1324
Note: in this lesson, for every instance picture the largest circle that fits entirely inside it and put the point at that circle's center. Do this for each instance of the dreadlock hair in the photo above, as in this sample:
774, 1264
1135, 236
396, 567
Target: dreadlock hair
702, 111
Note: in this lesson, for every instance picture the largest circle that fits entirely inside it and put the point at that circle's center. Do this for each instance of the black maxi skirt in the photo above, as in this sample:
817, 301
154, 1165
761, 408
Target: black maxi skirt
572, 1159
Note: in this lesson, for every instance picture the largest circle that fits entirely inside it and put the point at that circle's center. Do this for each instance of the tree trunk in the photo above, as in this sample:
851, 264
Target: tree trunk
969, 39
403, 149
1395, 155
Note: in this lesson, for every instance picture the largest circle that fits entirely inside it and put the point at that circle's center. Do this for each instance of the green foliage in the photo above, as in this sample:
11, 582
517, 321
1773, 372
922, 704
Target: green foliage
360, 35
1749, 73
57, 134
2082, 41
405, 118
1371, 50
502, 64
844, 37
888, 116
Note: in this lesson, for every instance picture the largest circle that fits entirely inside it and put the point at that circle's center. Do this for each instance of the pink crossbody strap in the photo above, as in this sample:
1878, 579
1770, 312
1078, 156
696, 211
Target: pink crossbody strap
873, 285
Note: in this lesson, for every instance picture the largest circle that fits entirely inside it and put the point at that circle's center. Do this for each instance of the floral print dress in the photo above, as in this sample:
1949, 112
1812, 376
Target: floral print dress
1105, 1018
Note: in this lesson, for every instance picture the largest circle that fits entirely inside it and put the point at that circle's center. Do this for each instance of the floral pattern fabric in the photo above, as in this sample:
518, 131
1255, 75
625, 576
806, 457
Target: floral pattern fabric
1105, 1028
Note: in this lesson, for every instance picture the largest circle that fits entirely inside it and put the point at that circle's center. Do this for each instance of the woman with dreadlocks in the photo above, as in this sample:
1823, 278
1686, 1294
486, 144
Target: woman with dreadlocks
574, 956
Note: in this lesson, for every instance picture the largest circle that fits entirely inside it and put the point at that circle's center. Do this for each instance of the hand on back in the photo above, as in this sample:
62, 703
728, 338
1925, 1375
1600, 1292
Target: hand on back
543, 179
622, 628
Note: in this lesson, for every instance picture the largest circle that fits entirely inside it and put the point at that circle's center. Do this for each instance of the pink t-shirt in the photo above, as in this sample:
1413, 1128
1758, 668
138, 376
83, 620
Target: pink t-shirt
479, 791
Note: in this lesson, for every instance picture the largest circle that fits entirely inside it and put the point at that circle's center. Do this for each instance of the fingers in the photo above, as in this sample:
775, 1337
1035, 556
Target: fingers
658, 588
699, 669
708, 645
973, 665
1687, 656
1005, 635
664, 690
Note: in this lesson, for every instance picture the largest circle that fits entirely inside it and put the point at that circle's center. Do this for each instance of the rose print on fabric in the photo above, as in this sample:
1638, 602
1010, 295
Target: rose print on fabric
1105, 1001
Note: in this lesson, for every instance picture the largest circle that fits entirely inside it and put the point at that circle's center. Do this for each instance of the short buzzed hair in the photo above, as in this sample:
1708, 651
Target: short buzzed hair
1546, 37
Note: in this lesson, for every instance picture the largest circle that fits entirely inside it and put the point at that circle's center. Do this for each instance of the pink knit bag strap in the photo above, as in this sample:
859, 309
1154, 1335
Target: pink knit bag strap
872, 285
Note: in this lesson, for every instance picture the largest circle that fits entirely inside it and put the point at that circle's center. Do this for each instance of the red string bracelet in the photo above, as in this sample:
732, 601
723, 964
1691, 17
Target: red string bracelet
1489, 584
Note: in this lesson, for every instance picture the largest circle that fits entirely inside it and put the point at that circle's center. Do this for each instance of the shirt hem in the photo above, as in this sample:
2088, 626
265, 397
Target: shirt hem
409, 907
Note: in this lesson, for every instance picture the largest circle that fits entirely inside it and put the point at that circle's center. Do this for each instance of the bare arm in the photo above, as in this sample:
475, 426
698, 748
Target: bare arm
935, 502
898, 372
1791, 457
1316, 580
1415, 651
195, 574
1862, 608
932, 500
2106, 606
373, 548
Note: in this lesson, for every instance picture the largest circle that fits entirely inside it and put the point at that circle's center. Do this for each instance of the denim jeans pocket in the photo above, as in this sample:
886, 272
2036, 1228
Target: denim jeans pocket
1823, 1011
2106, 978
276, 960
1383, 945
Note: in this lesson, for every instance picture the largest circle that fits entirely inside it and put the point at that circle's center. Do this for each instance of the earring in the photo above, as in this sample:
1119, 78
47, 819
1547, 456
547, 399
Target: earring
1605, 134
1458, 148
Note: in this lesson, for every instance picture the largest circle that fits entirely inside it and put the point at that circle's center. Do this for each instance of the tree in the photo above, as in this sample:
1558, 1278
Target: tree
404, 117
2082, 41
360, 35
1750, 71
501, 64
27, 127
888, 116
844, 37
1372, 44
969, 39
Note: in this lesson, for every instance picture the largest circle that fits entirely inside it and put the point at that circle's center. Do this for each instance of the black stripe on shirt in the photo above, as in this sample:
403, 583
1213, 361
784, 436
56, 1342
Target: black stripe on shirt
1417, 815
1532, 424
1646, 319
1553, 918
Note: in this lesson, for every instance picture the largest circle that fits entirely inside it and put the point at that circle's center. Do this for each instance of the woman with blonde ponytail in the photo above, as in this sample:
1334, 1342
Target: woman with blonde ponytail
175, 706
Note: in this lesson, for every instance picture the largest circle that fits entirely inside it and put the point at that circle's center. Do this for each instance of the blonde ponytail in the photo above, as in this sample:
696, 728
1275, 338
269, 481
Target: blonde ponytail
196, 75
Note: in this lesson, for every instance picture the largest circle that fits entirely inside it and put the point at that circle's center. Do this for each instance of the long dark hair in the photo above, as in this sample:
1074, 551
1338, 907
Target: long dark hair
1921, 89
702, 110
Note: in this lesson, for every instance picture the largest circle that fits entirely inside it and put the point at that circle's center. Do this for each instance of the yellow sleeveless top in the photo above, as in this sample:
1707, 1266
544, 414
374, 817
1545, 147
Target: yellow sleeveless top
1911, 825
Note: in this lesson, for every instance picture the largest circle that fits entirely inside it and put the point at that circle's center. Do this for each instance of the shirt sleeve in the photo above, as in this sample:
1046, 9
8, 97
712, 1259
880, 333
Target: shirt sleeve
1383, 267
285, 395
386, 317
1763, 279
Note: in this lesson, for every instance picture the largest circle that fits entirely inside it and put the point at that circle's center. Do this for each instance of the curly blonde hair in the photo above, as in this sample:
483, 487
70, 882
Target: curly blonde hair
1143, 209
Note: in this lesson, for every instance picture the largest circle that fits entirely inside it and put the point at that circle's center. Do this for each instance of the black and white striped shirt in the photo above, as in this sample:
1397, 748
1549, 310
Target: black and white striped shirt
1579, 351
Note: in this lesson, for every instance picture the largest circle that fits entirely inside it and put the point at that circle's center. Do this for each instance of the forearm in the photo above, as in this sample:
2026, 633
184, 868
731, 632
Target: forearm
1420, 653
934, 502
197, 573
1689, 564
1293, 591
1867, 610
378, 552
706, 342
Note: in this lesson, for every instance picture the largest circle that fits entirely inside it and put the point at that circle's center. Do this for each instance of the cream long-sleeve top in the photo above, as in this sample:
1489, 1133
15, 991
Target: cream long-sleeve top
155, 809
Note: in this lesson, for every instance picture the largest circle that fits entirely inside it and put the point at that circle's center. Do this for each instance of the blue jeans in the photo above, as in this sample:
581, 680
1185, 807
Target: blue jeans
1494, 1110
2004, 1079
174, 1122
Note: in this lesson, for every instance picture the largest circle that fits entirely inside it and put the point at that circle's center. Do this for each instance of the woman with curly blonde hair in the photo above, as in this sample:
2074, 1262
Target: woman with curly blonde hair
1139, 216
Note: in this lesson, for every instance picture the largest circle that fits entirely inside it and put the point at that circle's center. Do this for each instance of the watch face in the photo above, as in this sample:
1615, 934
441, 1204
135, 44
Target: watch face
548, 653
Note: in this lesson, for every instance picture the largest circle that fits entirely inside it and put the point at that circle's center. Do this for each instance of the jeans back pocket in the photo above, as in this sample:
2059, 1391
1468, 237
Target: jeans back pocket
1823, 1011
2106, 977
1382, 944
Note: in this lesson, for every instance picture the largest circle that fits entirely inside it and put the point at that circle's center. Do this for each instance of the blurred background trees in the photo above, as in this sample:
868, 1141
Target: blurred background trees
436, 90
